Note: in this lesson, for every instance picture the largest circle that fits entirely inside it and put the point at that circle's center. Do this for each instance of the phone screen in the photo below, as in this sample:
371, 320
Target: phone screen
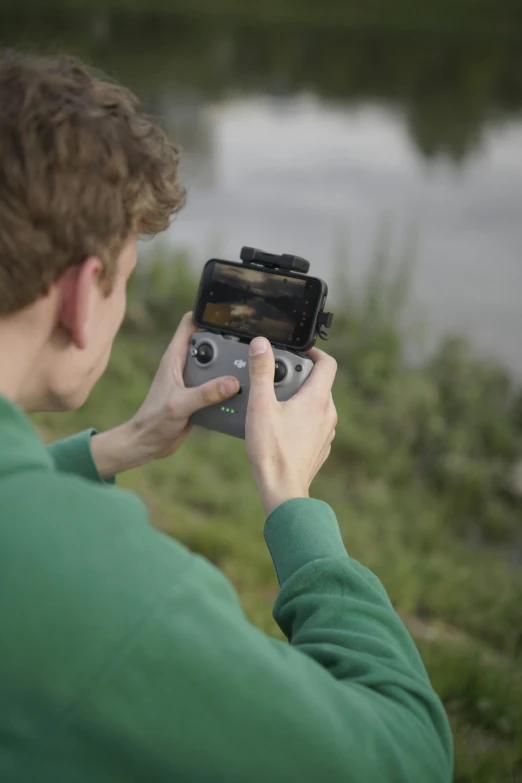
249, 302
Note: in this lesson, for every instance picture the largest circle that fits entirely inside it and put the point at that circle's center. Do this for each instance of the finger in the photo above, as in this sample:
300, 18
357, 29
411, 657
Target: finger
323, 374
177, 351
261, 366
315, 354
217, 390
333, 413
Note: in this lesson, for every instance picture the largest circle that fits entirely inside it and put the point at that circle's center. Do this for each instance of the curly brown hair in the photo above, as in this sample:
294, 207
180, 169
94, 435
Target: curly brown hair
82, 170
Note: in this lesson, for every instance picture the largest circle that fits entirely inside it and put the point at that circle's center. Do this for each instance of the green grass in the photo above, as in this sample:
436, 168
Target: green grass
419, 477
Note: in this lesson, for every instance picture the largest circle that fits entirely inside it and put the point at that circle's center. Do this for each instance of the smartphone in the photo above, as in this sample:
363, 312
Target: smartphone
240, 300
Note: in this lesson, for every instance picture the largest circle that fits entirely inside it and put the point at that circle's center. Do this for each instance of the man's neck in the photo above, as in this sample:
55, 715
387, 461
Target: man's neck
20, 358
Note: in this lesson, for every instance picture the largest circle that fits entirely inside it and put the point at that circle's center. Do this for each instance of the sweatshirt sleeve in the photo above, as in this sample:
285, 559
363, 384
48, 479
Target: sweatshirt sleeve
74, 455
195, 692
338, 614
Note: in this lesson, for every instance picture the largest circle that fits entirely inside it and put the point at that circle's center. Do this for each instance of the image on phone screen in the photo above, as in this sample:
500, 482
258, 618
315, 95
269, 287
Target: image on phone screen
245, 300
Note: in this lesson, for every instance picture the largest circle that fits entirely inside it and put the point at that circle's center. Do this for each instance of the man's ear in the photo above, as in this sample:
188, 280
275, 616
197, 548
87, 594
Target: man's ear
79, 290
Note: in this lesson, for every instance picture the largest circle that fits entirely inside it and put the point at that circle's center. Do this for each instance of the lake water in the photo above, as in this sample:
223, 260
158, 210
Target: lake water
296, 175
303, 140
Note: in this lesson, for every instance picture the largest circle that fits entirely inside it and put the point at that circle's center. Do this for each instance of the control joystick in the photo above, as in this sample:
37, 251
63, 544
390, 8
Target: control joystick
212, 355
280, 371
204, 353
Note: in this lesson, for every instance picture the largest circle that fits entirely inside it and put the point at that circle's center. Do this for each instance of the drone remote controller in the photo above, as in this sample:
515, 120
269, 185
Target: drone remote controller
213, 355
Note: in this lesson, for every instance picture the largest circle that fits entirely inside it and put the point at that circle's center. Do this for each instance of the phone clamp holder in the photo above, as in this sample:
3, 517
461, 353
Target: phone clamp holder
252, 255
324, 322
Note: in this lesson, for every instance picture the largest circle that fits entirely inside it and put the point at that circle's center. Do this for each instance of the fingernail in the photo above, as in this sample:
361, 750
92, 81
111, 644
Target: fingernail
258, 346
228, 387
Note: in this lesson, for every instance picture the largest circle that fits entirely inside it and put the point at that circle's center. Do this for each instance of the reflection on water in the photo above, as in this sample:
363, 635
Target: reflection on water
299, 138
295, 175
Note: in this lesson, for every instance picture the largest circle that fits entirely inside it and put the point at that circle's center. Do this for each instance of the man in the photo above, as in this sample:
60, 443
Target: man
123, 657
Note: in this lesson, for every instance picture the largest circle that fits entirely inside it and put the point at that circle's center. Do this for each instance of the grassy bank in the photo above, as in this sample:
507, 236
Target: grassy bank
420, 479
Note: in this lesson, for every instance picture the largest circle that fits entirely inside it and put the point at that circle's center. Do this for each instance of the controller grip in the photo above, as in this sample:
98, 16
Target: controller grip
211, 356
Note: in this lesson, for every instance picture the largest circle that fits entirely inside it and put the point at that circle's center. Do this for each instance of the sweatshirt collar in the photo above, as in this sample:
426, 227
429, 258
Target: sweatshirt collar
20, 446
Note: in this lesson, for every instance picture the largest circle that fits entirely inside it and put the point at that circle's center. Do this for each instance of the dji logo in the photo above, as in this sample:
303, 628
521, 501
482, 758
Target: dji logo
239, 363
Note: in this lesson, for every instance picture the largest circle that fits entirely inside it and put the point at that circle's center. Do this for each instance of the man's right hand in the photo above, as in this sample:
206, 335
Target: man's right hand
288, 442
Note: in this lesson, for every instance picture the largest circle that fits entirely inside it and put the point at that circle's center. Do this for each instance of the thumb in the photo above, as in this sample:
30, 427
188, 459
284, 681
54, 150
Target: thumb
261, 366
210, 393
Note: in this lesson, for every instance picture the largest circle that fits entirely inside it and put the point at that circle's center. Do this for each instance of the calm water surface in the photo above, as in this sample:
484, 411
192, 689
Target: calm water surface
298, 175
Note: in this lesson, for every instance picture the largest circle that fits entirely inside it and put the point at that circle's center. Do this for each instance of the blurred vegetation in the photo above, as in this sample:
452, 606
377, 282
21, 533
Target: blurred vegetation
451, 69
420, 477
444, 14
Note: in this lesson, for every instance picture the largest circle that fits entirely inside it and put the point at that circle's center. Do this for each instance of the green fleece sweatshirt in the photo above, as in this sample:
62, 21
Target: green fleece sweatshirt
125, 658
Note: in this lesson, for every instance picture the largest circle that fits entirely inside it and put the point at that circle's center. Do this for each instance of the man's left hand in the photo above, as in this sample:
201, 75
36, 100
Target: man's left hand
162, 423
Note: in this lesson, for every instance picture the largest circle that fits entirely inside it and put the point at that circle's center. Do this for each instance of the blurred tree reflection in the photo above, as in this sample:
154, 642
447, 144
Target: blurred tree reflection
449, 85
